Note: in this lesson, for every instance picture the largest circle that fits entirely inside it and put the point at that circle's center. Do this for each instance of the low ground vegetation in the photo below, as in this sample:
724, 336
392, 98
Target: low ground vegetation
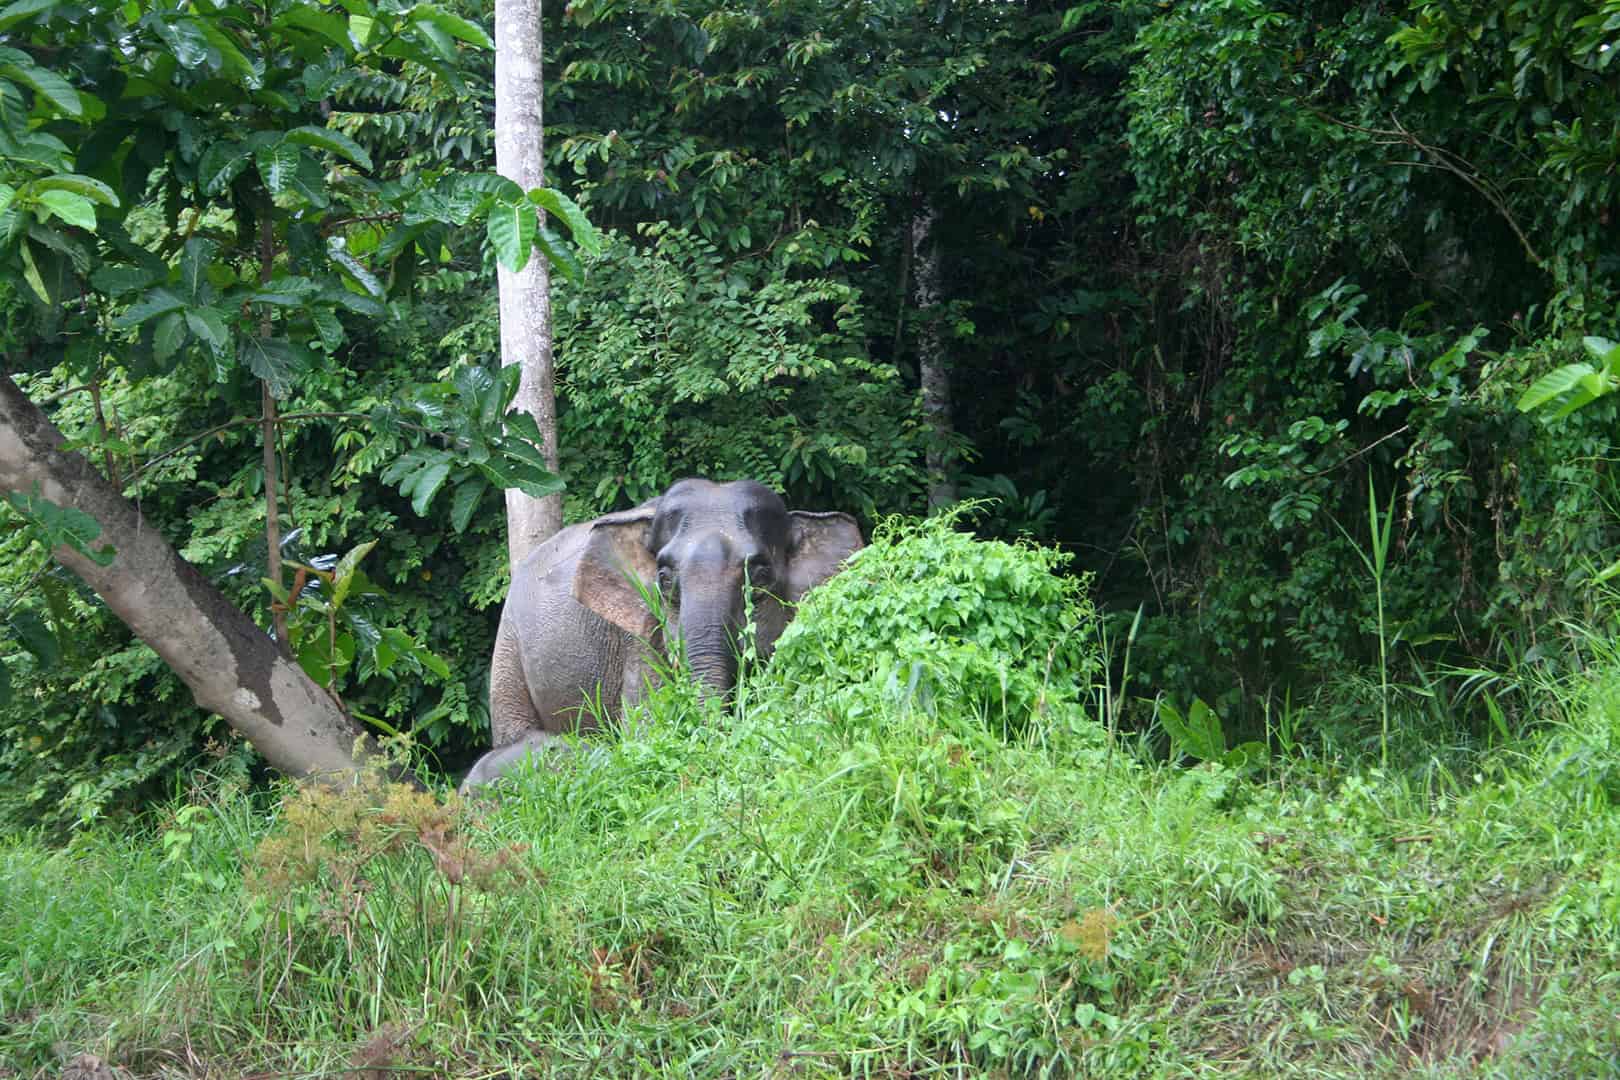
893, 854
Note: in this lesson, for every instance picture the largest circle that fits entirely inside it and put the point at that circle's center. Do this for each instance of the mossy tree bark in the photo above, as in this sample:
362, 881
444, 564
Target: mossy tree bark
232, 666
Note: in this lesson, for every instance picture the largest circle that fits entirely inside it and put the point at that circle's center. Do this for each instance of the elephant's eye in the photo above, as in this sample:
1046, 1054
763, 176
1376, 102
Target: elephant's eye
761, 574
666, 578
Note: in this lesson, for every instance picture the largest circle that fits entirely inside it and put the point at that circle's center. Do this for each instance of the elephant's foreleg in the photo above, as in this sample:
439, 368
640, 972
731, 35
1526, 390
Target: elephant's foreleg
493, 765
511, 710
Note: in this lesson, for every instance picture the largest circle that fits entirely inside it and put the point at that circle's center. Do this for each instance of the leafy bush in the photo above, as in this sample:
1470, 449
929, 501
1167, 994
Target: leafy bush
929, 614
672, 362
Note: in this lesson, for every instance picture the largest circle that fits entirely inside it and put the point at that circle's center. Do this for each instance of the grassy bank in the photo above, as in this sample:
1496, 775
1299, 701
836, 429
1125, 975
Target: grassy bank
908, 849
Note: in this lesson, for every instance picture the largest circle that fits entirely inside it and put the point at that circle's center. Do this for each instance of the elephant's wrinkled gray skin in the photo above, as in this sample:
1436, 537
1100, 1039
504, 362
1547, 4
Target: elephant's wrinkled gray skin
493, 765
575, 626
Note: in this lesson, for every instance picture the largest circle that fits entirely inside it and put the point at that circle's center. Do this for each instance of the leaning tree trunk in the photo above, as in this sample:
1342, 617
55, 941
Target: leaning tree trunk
525, 295
932, 363
232, 667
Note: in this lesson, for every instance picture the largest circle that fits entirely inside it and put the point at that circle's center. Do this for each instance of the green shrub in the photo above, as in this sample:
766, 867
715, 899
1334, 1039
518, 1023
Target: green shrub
928, 614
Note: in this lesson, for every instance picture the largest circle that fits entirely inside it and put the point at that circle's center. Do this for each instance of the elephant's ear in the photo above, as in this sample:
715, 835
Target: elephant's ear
818, 544
615, 565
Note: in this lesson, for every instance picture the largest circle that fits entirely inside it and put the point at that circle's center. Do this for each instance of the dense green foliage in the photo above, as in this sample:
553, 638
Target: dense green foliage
985, 626
1209, 271
875, 884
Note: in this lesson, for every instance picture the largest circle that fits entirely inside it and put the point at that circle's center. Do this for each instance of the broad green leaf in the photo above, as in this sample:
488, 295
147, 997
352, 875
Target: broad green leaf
171, 334
115, 280
278, 165
333, 28
558, 254
482, 184
158, 301
1197, 734
309, 181
62, 525
511, 232
62, 243
1553, 384
1608, 572
468, 494
427, 484
331, 141
232, 62
530, 479
31, 274
86, 186
407, 50
39, 148
328, 326
523, 425
221, 163
492, 398
71, 208
409, 463
12, 14
353, 301
1606, 352
289, 290
360, 29
430, 660
560, 206
7, 193
184, 38
343, 573
209, 325
35, 636
338, 252
440, 42
194, 266
279, 363
474, 383
400, 239
454, 25
61, 609
48, 84
314, 657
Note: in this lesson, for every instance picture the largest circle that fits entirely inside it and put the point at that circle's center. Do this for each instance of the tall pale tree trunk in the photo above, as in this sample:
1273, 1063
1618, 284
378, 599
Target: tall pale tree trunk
525, 295
232, 667
933, 366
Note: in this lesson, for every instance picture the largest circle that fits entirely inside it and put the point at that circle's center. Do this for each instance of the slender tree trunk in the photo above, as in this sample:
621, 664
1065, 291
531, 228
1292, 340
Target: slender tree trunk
526, 295
933, 365
267, 432
232, 667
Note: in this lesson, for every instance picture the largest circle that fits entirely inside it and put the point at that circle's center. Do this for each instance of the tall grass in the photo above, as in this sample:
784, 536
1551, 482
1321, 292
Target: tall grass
922, 868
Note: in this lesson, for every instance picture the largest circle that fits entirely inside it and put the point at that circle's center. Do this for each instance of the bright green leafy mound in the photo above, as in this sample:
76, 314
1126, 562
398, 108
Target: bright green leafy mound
926, 613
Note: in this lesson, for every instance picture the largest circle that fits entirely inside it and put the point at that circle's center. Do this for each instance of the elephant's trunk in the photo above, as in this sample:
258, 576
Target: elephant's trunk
710, 634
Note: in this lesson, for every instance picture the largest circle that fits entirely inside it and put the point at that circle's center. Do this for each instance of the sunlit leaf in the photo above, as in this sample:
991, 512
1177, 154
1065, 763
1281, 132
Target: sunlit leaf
511, 232
560, 206
221, 163
1552, 385
334, 142
158, 301
86, 186
466, 499
454, 25
170, 336
71, 208
279, 363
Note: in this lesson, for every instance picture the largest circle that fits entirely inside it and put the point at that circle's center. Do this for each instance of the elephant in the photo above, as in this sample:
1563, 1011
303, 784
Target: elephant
495, 764
577, 628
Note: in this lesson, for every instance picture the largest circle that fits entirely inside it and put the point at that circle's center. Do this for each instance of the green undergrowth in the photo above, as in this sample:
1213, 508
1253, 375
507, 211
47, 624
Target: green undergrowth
905, 849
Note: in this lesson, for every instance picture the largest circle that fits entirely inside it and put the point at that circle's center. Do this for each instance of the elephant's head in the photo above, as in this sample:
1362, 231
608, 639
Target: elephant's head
709, 549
